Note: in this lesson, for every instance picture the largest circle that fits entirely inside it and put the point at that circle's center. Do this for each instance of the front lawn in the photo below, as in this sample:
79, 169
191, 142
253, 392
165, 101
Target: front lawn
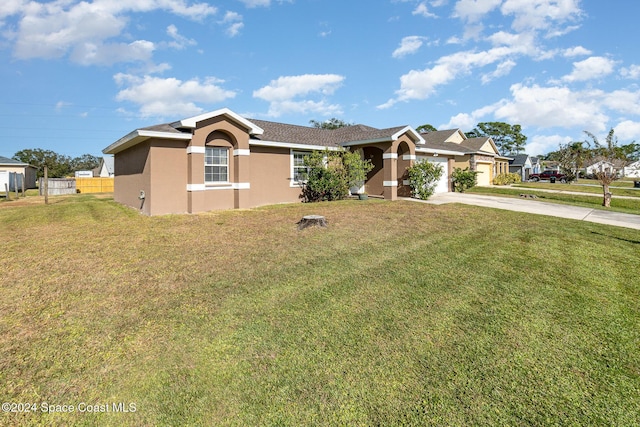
618, 188
593, 201
398, 313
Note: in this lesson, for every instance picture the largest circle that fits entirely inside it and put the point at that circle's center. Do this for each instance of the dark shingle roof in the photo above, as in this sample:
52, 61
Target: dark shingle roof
519, 160
282, 132
8, 161
437, 136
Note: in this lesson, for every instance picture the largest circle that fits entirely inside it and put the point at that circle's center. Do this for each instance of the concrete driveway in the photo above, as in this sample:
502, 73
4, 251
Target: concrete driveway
538, 208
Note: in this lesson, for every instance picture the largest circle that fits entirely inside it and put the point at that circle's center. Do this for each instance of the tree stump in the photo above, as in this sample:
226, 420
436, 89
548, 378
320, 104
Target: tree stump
310, 221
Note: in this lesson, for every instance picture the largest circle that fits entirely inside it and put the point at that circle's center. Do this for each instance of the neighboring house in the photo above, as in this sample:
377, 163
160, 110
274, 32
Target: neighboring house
477, 154
536, 166
550, 165
602, 166
105, 169
220, 160
632, 170
29, 172
522, 165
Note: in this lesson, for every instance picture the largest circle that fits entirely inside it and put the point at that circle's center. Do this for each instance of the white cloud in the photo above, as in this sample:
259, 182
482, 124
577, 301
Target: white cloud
554, 106
632, 72
542, 144
261, 3
473, 10
503, 69
158, 97
466, 122
627, 131
591, 68
541, 14
55, 29
421, 84
282, 93
179, 41
423, 10
234, 22
408, 45
576, 51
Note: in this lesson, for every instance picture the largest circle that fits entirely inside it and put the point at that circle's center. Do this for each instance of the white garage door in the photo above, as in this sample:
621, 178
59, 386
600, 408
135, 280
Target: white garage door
443, 184
484, 177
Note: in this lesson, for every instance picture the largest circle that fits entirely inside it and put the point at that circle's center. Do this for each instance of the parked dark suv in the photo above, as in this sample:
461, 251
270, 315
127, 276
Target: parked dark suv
550, 175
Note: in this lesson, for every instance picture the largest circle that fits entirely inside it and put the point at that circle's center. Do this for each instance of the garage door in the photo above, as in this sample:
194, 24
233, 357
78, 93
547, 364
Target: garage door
484, 177
443, 184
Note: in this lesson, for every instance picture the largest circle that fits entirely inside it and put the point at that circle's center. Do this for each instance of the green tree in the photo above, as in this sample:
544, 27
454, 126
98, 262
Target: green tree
58, 165
426, 128
508, 138
423, 178
85, 162
609, 152
571, 158
332, 123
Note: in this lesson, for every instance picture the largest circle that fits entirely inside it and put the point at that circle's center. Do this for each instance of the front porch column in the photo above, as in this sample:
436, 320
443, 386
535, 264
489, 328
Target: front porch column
390, 167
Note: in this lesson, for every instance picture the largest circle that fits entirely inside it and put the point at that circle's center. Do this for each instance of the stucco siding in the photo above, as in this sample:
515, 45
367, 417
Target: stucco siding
132, 175
270, 175
169, 177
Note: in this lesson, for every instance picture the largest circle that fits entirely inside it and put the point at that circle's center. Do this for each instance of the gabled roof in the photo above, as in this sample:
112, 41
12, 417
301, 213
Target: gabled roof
519, 160
6, 161
440, 136
269, 133
192, 122
108, 163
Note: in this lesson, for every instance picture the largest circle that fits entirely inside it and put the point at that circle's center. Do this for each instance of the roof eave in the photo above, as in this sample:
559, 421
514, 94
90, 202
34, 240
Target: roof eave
139, 135
192, 122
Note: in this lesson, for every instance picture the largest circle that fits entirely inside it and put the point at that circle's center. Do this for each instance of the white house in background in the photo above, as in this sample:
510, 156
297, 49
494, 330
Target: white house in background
633, 170
601, 166
106, 169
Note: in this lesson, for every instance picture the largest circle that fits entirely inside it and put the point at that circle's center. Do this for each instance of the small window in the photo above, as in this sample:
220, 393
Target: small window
299, 169
216, 164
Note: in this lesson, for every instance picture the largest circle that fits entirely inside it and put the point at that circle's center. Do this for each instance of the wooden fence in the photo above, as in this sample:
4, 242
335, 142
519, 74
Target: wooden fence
58, 186
94, 185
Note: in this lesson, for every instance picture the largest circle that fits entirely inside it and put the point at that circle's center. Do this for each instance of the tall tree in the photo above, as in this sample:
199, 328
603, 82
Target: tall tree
426, 128
608, 153
571, 158
86, 162
508, 138
332, 123
58, 165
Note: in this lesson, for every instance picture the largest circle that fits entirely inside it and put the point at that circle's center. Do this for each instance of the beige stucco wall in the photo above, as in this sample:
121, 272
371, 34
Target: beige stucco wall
270, 176
132, 174
168, 177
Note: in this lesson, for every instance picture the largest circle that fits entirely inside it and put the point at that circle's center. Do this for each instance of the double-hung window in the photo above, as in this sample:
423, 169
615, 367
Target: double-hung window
299, 169
216, 165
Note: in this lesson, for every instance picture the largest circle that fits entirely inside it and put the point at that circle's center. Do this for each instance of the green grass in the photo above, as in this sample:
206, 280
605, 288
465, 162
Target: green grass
589, 201
618, 188
398, 313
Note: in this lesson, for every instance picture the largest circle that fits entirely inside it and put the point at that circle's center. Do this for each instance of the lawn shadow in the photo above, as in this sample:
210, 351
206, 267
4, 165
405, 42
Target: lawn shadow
635, 242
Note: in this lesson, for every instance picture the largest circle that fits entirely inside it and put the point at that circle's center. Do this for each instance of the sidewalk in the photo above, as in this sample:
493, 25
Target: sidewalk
537, 208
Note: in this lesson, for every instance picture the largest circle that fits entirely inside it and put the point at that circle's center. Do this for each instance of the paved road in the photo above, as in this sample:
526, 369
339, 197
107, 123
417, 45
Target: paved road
539, 208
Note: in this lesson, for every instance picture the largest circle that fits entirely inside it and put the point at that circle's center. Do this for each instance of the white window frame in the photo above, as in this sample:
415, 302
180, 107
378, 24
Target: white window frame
214, 165
294, 182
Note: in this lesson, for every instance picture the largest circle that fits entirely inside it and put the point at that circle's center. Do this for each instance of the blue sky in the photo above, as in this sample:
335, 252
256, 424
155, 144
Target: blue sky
76, 76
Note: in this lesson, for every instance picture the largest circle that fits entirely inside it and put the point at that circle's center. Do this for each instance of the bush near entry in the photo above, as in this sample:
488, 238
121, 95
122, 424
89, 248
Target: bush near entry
423, 178
463, 179
507, 179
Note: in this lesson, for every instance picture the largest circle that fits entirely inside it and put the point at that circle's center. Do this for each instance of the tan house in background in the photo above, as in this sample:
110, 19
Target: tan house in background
220, 160
8, 166
477, 154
